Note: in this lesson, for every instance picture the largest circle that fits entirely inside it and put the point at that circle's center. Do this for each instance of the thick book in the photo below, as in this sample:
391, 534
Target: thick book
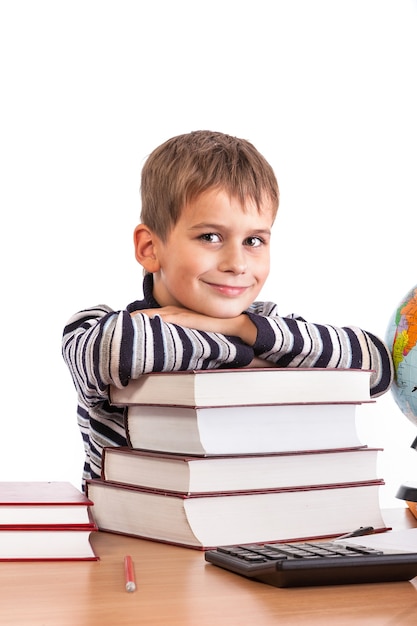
197, 475
208, 521
242, 429
47, 543
246, 386
38, 503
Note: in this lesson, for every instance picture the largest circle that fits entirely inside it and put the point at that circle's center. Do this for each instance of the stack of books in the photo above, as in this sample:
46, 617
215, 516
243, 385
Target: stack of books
219, 457
44, 521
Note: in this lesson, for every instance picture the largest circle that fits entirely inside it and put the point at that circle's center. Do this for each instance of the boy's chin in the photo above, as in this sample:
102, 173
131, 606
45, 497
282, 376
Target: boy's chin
221, 313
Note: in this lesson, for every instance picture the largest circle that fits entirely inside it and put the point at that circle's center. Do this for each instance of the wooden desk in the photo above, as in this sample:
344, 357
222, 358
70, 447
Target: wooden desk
177, 587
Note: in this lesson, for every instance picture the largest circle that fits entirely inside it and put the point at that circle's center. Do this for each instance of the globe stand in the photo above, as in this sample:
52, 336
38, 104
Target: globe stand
408, 491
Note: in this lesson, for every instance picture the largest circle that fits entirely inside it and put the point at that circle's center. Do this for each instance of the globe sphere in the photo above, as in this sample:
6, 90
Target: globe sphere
401, 338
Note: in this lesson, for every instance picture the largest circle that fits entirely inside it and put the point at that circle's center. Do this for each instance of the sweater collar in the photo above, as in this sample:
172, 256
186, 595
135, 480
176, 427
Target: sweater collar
148, 292
148, 301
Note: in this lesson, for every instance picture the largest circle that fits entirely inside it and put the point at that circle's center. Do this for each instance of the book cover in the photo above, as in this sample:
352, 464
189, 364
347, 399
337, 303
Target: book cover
246, 386
242, 429
221, 473
223, 519
47, 543
43, 502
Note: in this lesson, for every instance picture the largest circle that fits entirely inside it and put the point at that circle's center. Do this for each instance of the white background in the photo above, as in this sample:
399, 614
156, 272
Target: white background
325, 89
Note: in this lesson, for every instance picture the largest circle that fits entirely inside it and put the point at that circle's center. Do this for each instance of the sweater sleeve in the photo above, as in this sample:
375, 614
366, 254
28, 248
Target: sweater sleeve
293, 342
102, 347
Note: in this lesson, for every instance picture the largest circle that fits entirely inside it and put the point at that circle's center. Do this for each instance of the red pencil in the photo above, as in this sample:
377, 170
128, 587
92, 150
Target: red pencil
130, 582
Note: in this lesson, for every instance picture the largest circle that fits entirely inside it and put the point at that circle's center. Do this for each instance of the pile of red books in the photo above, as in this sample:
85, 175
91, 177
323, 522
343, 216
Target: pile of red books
44, 521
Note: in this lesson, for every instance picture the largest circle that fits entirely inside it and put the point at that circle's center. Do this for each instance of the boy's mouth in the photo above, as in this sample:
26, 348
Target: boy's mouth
228, 290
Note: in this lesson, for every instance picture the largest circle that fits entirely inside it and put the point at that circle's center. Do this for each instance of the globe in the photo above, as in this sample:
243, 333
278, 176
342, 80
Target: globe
401, 338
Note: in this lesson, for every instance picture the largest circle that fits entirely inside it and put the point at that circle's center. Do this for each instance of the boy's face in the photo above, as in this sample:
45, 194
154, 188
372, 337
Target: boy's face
216, 258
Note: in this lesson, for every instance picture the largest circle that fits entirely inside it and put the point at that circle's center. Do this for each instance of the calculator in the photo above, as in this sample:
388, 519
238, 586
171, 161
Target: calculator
314, 563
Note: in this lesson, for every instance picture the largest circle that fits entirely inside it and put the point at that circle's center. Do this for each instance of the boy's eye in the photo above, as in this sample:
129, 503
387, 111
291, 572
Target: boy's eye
254, 242
210, 237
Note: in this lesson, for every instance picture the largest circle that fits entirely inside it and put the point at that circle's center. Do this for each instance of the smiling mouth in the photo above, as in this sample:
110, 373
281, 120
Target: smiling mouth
229, 290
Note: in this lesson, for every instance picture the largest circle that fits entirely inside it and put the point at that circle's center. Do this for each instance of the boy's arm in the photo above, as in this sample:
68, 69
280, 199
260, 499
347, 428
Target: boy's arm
103, 347
241, 326
289, 342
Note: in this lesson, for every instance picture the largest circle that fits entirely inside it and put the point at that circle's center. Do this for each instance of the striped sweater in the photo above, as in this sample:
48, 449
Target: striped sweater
103, 347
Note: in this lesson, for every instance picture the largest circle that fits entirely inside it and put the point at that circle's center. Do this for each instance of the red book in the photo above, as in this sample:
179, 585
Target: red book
211, 520
242, 429
246, 386
250, 472
38, 543
34, 503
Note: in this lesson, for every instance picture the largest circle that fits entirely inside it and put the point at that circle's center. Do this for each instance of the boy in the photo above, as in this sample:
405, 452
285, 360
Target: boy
208, 205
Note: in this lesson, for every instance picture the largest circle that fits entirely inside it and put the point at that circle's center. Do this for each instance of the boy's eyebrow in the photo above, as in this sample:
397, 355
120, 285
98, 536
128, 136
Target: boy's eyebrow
206, 225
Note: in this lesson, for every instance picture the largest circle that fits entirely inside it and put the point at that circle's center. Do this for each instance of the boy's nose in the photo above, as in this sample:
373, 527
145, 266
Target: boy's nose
233, 260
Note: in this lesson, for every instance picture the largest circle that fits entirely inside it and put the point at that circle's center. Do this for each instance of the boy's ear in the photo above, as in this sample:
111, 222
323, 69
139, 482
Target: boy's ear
145, 253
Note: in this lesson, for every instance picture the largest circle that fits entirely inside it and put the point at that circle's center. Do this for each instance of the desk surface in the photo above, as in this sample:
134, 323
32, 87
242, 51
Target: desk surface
177, 587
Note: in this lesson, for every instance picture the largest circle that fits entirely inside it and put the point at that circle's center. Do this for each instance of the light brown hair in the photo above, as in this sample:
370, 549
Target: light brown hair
183, 167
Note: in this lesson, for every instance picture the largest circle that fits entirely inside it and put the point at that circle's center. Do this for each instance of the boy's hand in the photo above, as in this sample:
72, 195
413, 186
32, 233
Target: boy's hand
257, 362
240, 326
